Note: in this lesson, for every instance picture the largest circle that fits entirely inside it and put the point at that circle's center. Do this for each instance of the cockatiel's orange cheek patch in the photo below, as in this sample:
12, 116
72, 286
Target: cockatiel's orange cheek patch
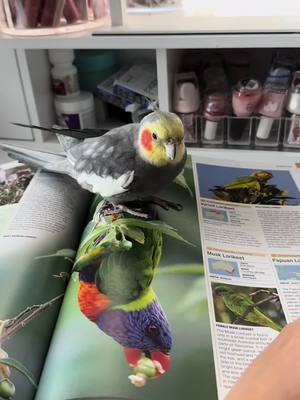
146, 139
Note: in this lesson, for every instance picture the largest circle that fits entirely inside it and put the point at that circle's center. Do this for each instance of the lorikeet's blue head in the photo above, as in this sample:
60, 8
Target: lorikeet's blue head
144, 330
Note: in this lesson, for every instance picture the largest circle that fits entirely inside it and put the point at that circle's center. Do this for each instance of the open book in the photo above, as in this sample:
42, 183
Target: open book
251, 258
66, 353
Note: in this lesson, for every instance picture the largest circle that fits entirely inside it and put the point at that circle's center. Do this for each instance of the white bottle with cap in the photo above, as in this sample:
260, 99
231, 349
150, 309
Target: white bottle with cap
64, 74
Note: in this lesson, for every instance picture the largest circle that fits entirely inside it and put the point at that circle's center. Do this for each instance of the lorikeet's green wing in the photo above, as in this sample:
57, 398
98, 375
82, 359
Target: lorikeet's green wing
241, 305
124, 276
245, 182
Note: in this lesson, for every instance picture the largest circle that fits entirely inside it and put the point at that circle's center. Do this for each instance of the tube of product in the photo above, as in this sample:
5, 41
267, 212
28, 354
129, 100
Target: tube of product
293, 106
216, 100
52, 12
71, 12
274, 99
32, 11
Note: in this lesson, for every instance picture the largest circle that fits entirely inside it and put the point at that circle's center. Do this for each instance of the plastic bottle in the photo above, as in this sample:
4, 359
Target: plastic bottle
274, 97
215, 105
186, 103
64, 73
76, 112
293, 107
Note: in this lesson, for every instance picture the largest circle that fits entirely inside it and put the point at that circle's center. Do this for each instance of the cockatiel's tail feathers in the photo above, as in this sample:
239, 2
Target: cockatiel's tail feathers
67, 142
39, 159
71, 132
91, 301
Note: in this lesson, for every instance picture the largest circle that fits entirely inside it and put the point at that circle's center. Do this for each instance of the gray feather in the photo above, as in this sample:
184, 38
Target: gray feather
39, 159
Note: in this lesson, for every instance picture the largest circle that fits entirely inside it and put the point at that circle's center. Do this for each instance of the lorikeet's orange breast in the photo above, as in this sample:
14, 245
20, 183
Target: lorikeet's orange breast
91, 301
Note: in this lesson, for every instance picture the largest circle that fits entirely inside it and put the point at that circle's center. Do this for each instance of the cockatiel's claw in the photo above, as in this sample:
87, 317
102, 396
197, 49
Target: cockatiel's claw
111, 209
166, 204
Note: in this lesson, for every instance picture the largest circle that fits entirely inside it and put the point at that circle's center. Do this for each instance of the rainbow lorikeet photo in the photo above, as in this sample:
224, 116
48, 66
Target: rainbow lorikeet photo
116, 266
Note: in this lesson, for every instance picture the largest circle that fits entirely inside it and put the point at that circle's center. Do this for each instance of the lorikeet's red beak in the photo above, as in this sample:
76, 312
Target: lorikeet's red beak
162, 360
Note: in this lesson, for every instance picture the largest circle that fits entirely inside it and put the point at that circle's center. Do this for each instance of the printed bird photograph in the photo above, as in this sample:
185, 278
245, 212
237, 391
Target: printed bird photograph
252, 306
116, 266
248, 186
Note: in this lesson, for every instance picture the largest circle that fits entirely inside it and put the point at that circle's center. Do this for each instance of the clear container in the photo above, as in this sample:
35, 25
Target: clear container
239, 131
292, 133
274, 128
212, 132
190, 128
48, 17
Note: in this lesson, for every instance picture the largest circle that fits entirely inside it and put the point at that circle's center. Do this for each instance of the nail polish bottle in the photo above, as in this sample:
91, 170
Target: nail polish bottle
215, 106
186, 103
274, 98
292, 127
246, 96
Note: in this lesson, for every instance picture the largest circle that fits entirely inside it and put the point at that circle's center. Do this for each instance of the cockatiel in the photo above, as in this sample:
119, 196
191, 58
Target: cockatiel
116, 295
126, 164
242, 306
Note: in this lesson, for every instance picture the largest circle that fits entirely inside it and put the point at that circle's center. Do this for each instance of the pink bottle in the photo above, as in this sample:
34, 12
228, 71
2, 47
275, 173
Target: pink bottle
246, 97
214, 110
215, 105
186, 103
293, 106
274, 98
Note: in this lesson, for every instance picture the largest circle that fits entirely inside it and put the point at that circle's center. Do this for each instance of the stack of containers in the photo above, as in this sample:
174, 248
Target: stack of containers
74, 109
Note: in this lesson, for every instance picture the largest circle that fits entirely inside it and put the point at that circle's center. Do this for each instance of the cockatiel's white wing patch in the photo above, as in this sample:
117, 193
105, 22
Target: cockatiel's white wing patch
106, 165
107, 186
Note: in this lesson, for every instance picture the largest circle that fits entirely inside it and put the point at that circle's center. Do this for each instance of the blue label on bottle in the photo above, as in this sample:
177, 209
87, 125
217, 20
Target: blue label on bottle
72, 120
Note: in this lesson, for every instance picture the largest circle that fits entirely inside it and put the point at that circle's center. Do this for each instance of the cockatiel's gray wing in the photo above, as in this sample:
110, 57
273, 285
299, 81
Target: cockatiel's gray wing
106, 165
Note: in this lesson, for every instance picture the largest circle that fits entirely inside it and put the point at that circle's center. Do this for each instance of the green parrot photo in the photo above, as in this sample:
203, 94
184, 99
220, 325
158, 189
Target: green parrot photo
252, 189
116, 263
240, 305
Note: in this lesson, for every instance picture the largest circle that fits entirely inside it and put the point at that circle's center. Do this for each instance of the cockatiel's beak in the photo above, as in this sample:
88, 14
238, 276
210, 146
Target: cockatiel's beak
171, 150
162, 360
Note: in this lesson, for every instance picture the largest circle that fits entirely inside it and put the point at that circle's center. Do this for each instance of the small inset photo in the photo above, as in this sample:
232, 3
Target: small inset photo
223, 267
253, 306
288, 272
215, 214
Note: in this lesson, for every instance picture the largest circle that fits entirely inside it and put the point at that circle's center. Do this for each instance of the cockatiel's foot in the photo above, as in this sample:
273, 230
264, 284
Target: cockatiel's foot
112, 209
165, 204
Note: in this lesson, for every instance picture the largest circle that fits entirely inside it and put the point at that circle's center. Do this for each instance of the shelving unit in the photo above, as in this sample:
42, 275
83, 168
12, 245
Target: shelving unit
166, 49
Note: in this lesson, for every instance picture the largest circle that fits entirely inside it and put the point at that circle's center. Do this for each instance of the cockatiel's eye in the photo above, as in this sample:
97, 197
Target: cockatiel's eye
152, 331
154, 135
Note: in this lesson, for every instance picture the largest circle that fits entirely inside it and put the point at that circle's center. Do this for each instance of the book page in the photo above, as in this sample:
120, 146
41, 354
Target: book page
41, 214
249, 222
85, 362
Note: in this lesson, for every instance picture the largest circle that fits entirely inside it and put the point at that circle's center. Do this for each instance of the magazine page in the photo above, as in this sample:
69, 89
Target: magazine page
86, 361
41, 215
249, 223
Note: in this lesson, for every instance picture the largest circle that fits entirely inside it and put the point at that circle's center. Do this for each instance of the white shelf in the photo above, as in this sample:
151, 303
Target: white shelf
174, 30
245, 155
138, 41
